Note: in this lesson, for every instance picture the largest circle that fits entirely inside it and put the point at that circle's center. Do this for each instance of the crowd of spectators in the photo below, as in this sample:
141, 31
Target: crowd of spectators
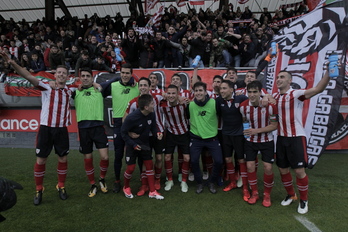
222, 38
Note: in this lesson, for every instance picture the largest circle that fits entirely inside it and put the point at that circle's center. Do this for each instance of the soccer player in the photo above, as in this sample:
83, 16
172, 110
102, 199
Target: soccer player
249, 77
232, 134
177, 134
54, 119
263, 120
89, 105
291, 147
154, 84
158, 145
203, 133
122, 92
141, 122
186, 94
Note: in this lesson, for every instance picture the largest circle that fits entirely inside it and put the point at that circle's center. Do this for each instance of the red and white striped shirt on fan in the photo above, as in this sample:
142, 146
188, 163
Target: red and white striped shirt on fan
290, 106
175, 117
259, 117
55, 111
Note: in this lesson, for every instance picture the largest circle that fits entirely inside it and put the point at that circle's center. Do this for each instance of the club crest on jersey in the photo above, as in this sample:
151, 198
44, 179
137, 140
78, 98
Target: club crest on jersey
149, 122
263, 110
236, 105
287, 98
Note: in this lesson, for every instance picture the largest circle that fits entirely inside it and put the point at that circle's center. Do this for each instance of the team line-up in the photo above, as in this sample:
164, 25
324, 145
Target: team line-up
235, 118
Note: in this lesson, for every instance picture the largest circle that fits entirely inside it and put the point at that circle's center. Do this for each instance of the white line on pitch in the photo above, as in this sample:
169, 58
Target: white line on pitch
308, 224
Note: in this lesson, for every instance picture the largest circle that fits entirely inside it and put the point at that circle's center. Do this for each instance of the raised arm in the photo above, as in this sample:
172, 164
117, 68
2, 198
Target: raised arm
20, 70
319, 87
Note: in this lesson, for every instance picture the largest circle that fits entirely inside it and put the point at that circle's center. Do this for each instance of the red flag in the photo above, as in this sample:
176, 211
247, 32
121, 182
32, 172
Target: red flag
181, 3
196, 2
149, 4
242, 1
156, 18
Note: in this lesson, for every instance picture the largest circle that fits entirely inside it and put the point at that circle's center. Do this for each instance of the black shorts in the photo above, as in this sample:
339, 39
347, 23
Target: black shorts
132, 155
182, 141
49, 137
157, 145
94, 135
291, 152
233, 143
267, 151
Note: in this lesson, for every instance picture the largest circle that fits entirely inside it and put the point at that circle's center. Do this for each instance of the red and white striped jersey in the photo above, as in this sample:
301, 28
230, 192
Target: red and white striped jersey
14, 51
245, 92
55, 110
259, 117
175, 117
213, 95
156, 91
290, 106
133, 105
186, 93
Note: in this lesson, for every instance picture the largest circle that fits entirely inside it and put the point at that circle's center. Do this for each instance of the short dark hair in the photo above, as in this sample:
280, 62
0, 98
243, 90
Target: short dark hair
286, 72
231, 69
144, 100
200, 83
153, 74
218, 77
63, 66
127, 65
86, 69
145, 79
176, 74
228, 82
173, 87
255, 85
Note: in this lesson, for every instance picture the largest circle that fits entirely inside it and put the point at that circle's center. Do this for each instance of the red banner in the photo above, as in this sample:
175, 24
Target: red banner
26, 120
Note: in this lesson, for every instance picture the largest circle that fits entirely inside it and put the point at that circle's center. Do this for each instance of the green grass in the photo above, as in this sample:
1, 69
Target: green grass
328, 200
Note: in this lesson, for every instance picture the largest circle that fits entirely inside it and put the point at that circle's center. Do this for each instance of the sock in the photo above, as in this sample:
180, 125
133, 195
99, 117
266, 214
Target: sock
128, 174
150, 174
158, 172
89, 170
62, 170
252, 180
180, 160
244, 174
169, 169
144, 178
302, 185
268, 181
230, 171
287, 183
185, 170
39, 173
103, 165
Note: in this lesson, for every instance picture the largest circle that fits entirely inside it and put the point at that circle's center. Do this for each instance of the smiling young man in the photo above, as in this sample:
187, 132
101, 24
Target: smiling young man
263, 120
89, 104
203, 133
158, 145
291, 147
141, 122
122, 92
54, 120
177, 134
227, 106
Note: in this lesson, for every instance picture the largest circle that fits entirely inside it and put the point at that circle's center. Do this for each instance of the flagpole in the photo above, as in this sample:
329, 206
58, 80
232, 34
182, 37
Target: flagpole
258, 5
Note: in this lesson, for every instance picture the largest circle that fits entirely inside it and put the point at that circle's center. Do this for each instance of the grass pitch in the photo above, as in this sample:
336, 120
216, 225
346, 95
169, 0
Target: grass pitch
328, 200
